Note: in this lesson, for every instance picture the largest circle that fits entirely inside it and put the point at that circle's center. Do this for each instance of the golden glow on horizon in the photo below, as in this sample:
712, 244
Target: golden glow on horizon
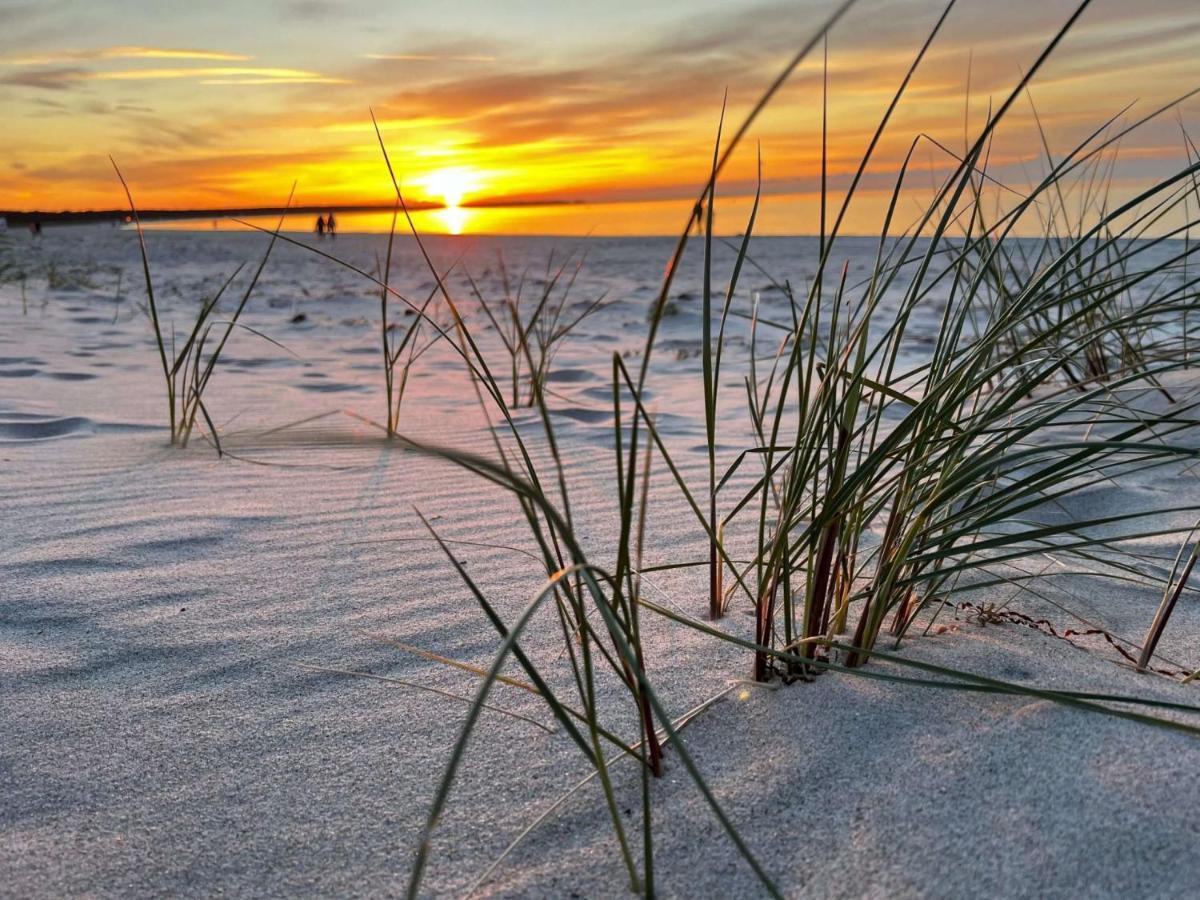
451, 185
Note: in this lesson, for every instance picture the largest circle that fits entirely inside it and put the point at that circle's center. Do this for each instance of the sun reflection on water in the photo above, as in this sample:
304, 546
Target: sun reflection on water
451, 219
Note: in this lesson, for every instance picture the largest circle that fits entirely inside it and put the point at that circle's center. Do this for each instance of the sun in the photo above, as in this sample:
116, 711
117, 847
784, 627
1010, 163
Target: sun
451, 185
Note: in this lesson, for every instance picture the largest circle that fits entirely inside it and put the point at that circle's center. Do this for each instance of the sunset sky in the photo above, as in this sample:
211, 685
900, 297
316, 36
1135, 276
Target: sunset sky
225, 104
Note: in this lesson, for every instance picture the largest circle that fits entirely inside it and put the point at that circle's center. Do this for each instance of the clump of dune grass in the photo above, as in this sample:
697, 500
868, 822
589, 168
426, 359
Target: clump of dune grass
888, 481
11, 265
531, 331
187, 369
1117, 313
14, 267
70, 278
402, 345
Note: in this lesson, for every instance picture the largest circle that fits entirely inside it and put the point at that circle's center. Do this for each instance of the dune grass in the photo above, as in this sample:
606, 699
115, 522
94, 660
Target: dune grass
186, 370
885, 476
12, 269
1173, 590
531, 335
402, 345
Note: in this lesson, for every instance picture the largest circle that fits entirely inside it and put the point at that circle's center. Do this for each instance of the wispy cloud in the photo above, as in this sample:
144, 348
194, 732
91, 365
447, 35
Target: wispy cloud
222, 74
58, 78
63, 77
431, 57
62, 69
56, 57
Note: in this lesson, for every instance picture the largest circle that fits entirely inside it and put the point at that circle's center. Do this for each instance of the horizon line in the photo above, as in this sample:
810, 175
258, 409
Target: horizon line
21, 215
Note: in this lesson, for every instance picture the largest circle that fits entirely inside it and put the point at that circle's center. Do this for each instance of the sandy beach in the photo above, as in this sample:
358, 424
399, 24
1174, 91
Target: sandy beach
169, 621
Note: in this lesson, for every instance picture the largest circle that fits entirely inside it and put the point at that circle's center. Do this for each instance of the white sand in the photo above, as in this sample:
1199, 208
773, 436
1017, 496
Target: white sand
161, 736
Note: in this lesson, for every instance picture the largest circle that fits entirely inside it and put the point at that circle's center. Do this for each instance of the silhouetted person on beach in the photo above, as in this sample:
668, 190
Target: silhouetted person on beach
320, 226
35, 229
331, 225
